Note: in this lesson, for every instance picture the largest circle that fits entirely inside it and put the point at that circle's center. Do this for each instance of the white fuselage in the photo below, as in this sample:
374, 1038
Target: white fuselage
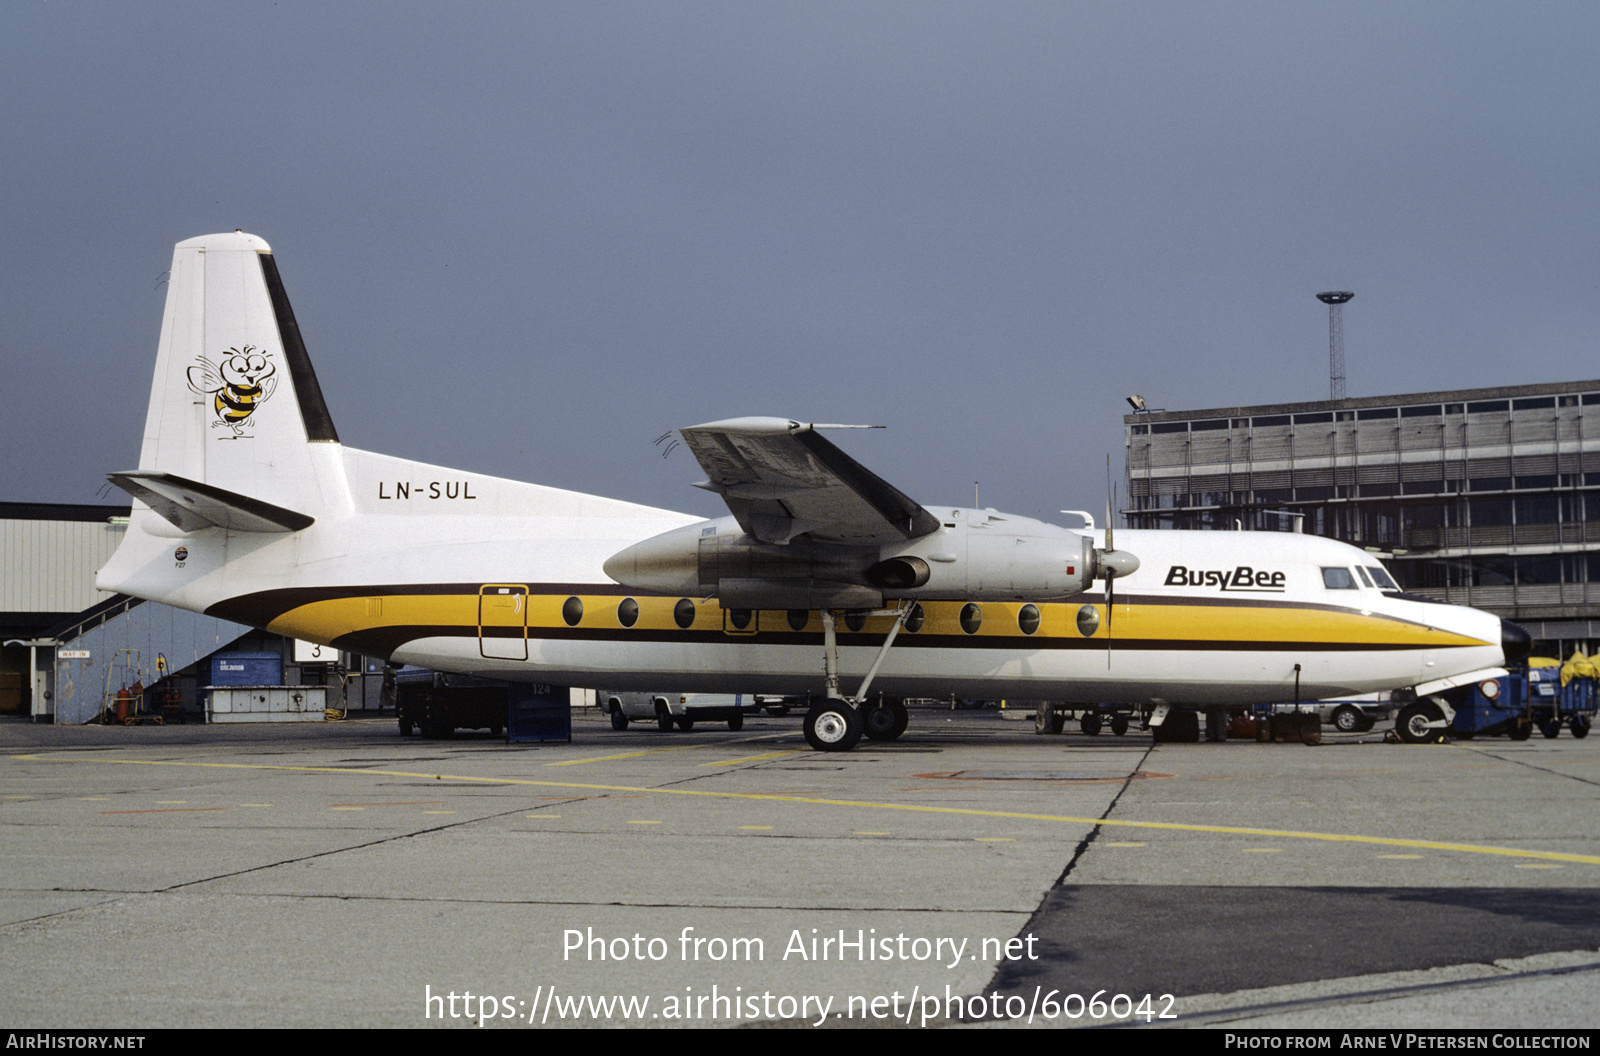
467, 573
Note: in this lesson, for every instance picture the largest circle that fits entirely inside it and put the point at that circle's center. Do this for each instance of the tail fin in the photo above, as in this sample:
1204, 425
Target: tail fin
235, 406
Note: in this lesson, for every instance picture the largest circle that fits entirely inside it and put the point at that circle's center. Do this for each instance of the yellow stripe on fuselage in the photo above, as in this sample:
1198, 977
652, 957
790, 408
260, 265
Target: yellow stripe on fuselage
1149, 622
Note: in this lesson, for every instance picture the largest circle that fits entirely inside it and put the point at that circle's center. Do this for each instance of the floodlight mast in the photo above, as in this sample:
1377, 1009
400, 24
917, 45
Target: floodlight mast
1333, 299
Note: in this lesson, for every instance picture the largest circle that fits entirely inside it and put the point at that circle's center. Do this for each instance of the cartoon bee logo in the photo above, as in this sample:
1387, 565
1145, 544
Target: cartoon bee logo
240, 382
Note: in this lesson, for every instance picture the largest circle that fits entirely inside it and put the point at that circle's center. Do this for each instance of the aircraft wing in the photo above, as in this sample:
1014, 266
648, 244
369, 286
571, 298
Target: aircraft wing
781, 479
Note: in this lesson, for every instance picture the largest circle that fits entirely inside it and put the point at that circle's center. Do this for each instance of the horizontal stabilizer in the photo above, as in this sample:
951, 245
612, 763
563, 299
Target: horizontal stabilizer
192, 506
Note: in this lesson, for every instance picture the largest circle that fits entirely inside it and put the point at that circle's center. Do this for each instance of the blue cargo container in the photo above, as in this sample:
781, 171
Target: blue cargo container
1554, 705
247, 669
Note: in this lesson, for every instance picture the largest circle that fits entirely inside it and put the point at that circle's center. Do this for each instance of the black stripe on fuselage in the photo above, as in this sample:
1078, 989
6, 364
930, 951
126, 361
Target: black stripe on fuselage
383, 641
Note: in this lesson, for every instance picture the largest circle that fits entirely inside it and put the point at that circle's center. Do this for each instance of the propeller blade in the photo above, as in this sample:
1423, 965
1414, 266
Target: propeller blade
1108, 504
1111, 606
1111, 571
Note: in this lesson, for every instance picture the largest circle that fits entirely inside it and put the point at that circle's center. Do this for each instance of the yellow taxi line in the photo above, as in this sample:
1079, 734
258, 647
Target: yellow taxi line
1328, 837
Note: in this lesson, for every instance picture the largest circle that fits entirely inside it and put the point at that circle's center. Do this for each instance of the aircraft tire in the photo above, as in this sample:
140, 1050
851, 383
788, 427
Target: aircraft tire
663, 719
832, 726
619, 721
1551, 728
1183, 726
1580, 726
1411, 725
1119, 724
1090, 723
886, 720
736, 721
877, 723
1347, 718
902, 717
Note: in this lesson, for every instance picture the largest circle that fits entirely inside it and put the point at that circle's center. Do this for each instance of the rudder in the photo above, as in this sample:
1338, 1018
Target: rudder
235, 403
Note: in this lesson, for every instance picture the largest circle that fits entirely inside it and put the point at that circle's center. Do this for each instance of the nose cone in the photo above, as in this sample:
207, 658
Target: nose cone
1118, 561
1515, 642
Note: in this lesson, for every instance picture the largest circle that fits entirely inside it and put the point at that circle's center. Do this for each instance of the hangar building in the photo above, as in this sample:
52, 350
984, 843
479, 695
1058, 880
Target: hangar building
1481, 497
65, 647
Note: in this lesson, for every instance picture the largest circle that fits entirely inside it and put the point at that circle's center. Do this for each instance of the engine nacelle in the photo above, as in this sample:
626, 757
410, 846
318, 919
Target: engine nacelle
975, 555
981, 555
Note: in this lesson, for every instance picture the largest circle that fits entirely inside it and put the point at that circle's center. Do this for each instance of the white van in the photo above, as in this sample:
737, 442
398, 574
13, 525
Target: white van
682, 710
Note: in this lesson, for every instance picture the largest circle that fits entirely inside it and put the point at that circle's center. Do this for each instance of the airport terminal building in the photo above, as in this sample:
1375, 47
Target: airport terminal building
1481, 497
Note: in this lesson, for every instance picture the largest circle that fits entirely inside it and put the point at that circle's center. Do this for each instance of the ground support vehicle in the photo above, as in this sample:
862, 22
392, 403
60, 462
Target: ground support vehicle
1356, 714
1051, 716
438, 703
1514, 703
1553, 705
682, 710
779, 705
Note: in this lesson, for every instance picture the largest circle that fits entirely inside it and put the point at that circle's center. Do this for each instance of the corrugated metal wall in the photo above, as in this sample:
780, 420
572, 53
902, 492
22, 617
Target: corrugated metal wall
49, 566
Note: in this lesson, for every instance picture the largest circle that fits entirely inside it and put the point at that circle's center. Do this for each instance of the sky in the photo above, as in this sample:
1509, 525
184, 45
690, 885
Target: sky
528, 239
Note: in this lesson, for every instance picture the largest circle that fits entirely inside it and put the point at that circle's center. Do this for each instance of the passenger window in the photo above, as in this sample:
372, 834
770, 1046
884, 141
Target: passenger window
1338, 579
971, 618
1028, 619
915, 618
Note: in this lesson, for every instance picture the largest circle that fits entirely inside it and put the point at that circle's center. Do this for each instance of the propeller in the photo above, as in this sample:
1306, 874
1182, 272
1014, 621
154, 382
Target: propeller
1112, 562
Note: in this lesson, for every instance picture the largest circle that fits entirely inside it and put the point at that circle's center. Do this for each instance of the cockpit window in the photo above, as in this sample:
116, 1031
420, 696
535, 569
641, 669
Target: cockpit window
1366, 580
1338, 579
1383, 579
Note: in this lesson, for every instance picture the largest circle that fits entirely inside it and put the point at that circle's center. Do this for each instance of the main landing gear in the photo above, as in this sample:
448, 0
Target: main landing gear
837, 723
833, 726
884, 719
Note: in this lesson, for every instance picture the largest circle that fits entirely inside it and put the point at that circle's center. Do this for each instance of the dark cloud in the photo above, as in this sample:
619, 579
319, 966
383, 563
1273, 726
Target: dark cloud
526, 239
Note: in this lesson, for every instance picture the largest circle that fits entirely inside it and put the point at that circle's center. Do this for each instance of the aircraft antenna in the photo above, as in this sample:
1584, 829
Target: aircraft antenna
1334, 299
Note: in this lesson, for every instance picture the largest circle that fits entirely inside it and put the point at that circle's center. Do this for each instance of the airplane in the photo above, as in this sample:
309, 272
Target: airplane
248, 507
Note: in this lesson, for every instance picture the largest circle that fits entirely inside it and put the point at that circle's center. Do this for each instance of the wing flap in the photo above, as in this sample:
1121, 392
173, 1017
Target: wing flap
781, 479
